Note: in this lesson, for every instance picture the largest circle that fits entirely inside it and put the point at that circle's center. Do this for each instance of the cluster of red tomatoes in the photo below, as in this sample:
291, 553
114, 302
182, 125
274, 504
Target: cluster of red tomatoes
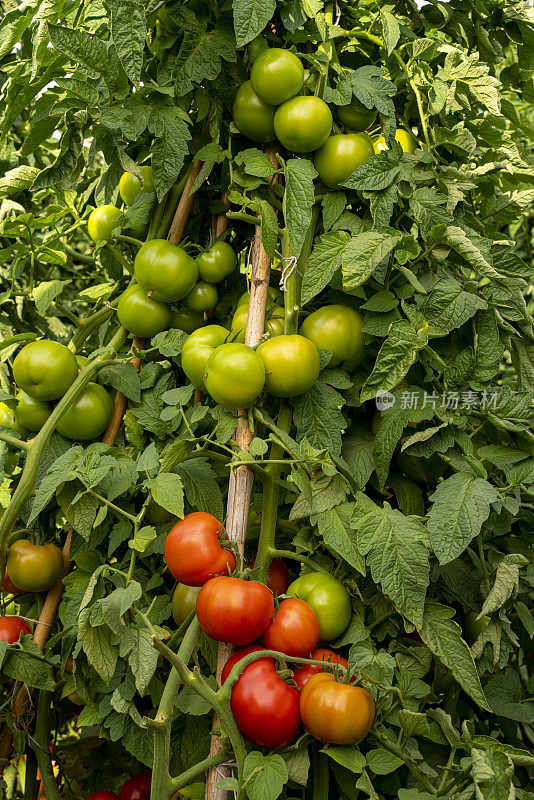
269, 710
136, 788
271, 105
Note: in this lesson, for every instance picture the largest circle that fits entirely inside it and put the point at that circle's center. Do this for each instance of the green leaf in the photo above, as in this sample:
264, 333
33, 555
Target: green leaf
298, 765
168, 491
170, 127
200, 57
362, 254
357, 451
382, 762
461, 504
124, 378
298, 200
90, 52
390, 30
339, 535
395, 358
264, 776
506, 582
324, 261
250, 18
46, 292
505, 696
317, 416
201, 487
142, 538
128, 31
449, 306
349, 756
269, 229
444, 637
378, 172
373, 89
99, 645
396, 552
17, 179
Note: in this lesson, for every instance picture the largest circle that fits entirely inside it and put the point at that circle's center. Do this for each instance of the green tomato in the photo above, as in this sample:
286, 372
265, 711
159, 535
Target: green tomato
419, 468
274, 321
88, 416
197, 350
356, 116
31, 413
405, 138
338, 329
130, 185
252, 116
185, 320
202, 297
292, 364
473, 626
329, 599
156, 514
165, 270
277, 75
102, 221
303, 124
216, 263
235, 376
142, 315
9, 420
274, 297
45, 369
340, 155
184, 601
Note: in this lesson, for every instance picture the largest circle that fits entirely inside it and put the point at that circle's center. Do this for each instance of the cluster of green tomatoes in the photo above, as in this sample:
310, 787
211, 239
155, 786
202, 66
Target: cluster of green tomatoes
271, 106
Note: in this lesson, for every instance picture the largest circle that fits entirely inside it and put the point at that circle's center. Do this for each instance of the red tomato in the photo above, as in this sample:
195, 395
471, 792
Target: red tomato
11, 627
9, 587
193, 550
278, 578
137, 787
303, 674
102, 796
265, 708
294, 629
233, 610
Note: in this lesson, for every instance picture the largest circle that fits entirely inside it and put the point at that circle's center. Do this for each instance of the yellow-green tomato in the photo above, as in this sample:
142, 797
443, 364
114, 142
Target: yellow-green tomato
165, 270
45, 369
198, 348
31, 413
130, 185
156, 514
252, 115
303, 124
184, 601
356, 116
102, 221
235, 375
216, 263
340, 155
8, 420
405, 138
277, 75
88, 416
185, 320
202, 297
338, 329
142, 315
292, 364
274, 321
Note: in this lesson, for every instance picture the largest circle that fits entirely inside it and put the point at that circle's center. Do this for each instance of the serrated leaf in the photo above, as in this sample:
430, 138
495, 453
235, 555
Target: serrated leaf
250, 18
46, 292
168, 491
265, 776
506, 582
322, 264
339, 535
128, 30
362, 254
298, 199
395, 358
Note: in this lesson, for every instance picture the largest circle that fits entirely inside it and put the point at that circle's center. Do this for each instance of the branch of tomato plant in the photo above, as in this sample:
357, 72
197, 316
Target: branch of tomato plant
13, 441
320, 775
39, 744
399, 752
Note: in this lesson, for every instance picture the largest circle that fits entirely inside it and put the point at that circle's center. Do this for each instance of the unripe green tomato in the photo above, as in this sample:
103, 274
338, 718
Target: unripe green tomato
274, 297
9, 420
303, 124
338, 329
329, 599
419, 468
184, 601
156, 514
102, 221
45, 369
202, 297
235, 376
340, 155
292, 364
165, 270
356, 116
130, 185
197, 350
142, 315
31, 413
277, 75
34, 567
185, 320
274, 321
473, 627
405, 138
216, 263
88, 416
252, 115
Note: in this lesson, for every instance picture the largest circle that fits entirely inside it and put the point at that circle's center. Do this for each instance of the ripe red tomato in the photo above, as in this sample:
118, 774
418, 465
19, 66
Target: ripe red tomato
137, 787
294, 629
336, 712
11, 627
265, 708
193, 551
102, 796
302, 675
278, 578
233, 610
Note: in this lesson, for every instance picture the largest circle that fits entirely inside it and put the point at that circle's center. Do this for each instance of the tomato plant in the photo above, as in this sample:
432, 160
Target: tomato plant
340, 155
252, 115
217, 263
197, 350
89, 415
130, 185
277, 75
141, 314
303, 124
235, 375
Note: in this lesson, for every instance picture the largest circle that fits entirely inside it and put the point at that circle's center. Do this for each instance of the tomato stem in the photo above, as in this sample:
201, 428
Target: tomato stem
320, 776
40, 746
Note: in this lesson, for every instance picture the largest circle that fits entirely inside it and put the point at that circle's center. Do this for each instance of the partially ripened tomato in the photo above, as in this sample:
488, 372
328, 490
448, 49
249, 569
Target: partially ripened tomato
265, 708
34, 567
88, 416
130, 185
277, 75
202, 297
303, 124
235, 375
215, 264
31, 414
193, 550
252, 115
233, 610
11, 628
329, 599
302, 674
165, 270
45, 369
197, 350
292, 364
102, 221
294, 629
340, 155
336, 712
356, 116
338, 329
142, 315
